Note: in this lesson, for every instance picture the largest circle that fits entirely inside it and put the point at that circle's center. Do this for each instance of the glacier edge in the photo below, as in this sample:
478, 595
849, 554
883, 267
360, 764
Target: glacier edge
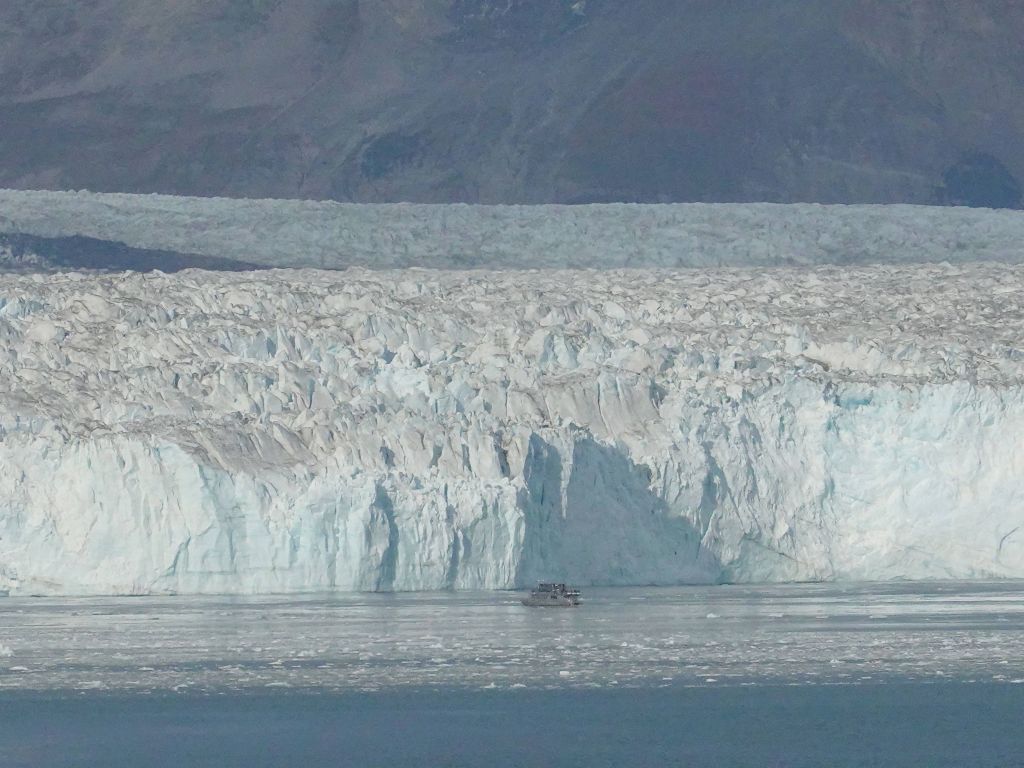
307, 431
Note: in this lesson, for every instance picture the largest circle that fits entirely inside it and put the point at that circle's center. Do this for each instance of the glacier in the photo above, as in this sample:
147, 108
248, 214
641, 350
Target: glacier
293, 430
330, 235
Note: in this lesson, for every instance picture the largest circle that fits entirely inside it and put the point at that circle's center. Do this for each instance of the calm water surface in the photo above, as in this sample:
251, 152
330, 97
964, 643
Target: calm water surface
878, 674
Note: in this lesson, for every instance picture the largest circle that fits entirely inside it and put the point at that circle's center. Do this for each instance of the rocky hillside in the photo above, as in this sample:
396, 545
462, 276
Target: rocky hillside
517, 100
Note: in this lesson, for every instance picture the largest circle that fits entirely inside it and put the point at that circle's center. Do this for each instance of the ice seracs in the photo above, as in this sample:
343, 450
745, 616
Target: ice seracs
375, 430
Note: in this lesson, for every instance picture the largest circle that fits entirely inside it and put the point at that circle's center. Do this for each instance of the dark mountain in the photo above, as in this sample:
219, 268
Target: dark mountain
28, 253
518, 100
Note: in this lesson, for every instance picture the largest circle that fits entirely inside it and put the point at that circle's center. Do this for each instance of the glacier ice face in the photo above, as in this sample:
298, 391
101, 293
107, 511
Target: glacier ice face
376, 430
283, 233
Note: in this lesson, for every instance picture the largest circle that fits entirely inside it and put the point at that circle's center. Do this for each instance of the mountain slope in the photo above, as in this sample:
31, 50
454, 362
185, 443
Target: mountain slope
517, 100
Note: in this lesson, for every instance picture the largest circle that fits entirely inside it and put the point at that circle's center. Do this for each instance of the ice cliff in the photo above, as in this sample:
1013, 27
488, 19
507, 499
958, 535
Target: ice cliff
304, 430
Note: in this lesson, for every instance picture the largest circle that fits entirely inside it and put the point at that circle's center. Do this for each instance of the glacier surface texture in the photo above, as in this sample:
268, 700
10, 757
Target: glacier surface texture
329, 235
294, 430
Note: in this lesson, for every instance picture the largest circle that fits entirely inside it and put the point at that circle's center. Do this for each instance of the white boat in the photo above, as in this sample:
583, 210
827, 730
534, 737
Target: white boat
552, 595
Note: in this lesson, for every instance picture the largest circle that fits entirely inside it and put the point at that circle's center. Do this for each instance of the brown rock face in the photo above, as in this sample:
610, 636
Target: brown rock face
517, 100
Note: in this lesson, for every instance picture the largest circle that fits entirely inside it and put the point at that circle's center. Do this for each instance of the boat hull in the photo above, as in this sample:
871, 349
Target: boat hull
550, 602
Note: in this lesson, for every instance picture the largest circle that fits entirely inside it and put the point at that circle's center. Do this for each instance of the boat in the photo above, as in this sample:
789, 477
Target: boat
552, 595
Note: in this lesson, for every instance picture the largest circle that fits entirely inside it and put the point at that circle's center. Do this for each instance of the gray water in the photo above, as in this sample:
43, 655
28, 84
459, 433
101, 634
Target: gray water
875, 674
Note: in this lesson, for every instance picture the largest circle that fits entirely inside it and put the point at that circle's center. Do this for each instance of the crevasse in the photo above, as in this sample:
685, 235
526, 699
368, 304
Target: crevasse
406, 430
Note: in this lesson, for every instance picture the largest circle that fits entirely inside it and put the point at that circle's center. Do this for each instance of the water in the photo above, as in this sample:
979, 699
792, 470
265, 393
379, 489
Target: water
893, 674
